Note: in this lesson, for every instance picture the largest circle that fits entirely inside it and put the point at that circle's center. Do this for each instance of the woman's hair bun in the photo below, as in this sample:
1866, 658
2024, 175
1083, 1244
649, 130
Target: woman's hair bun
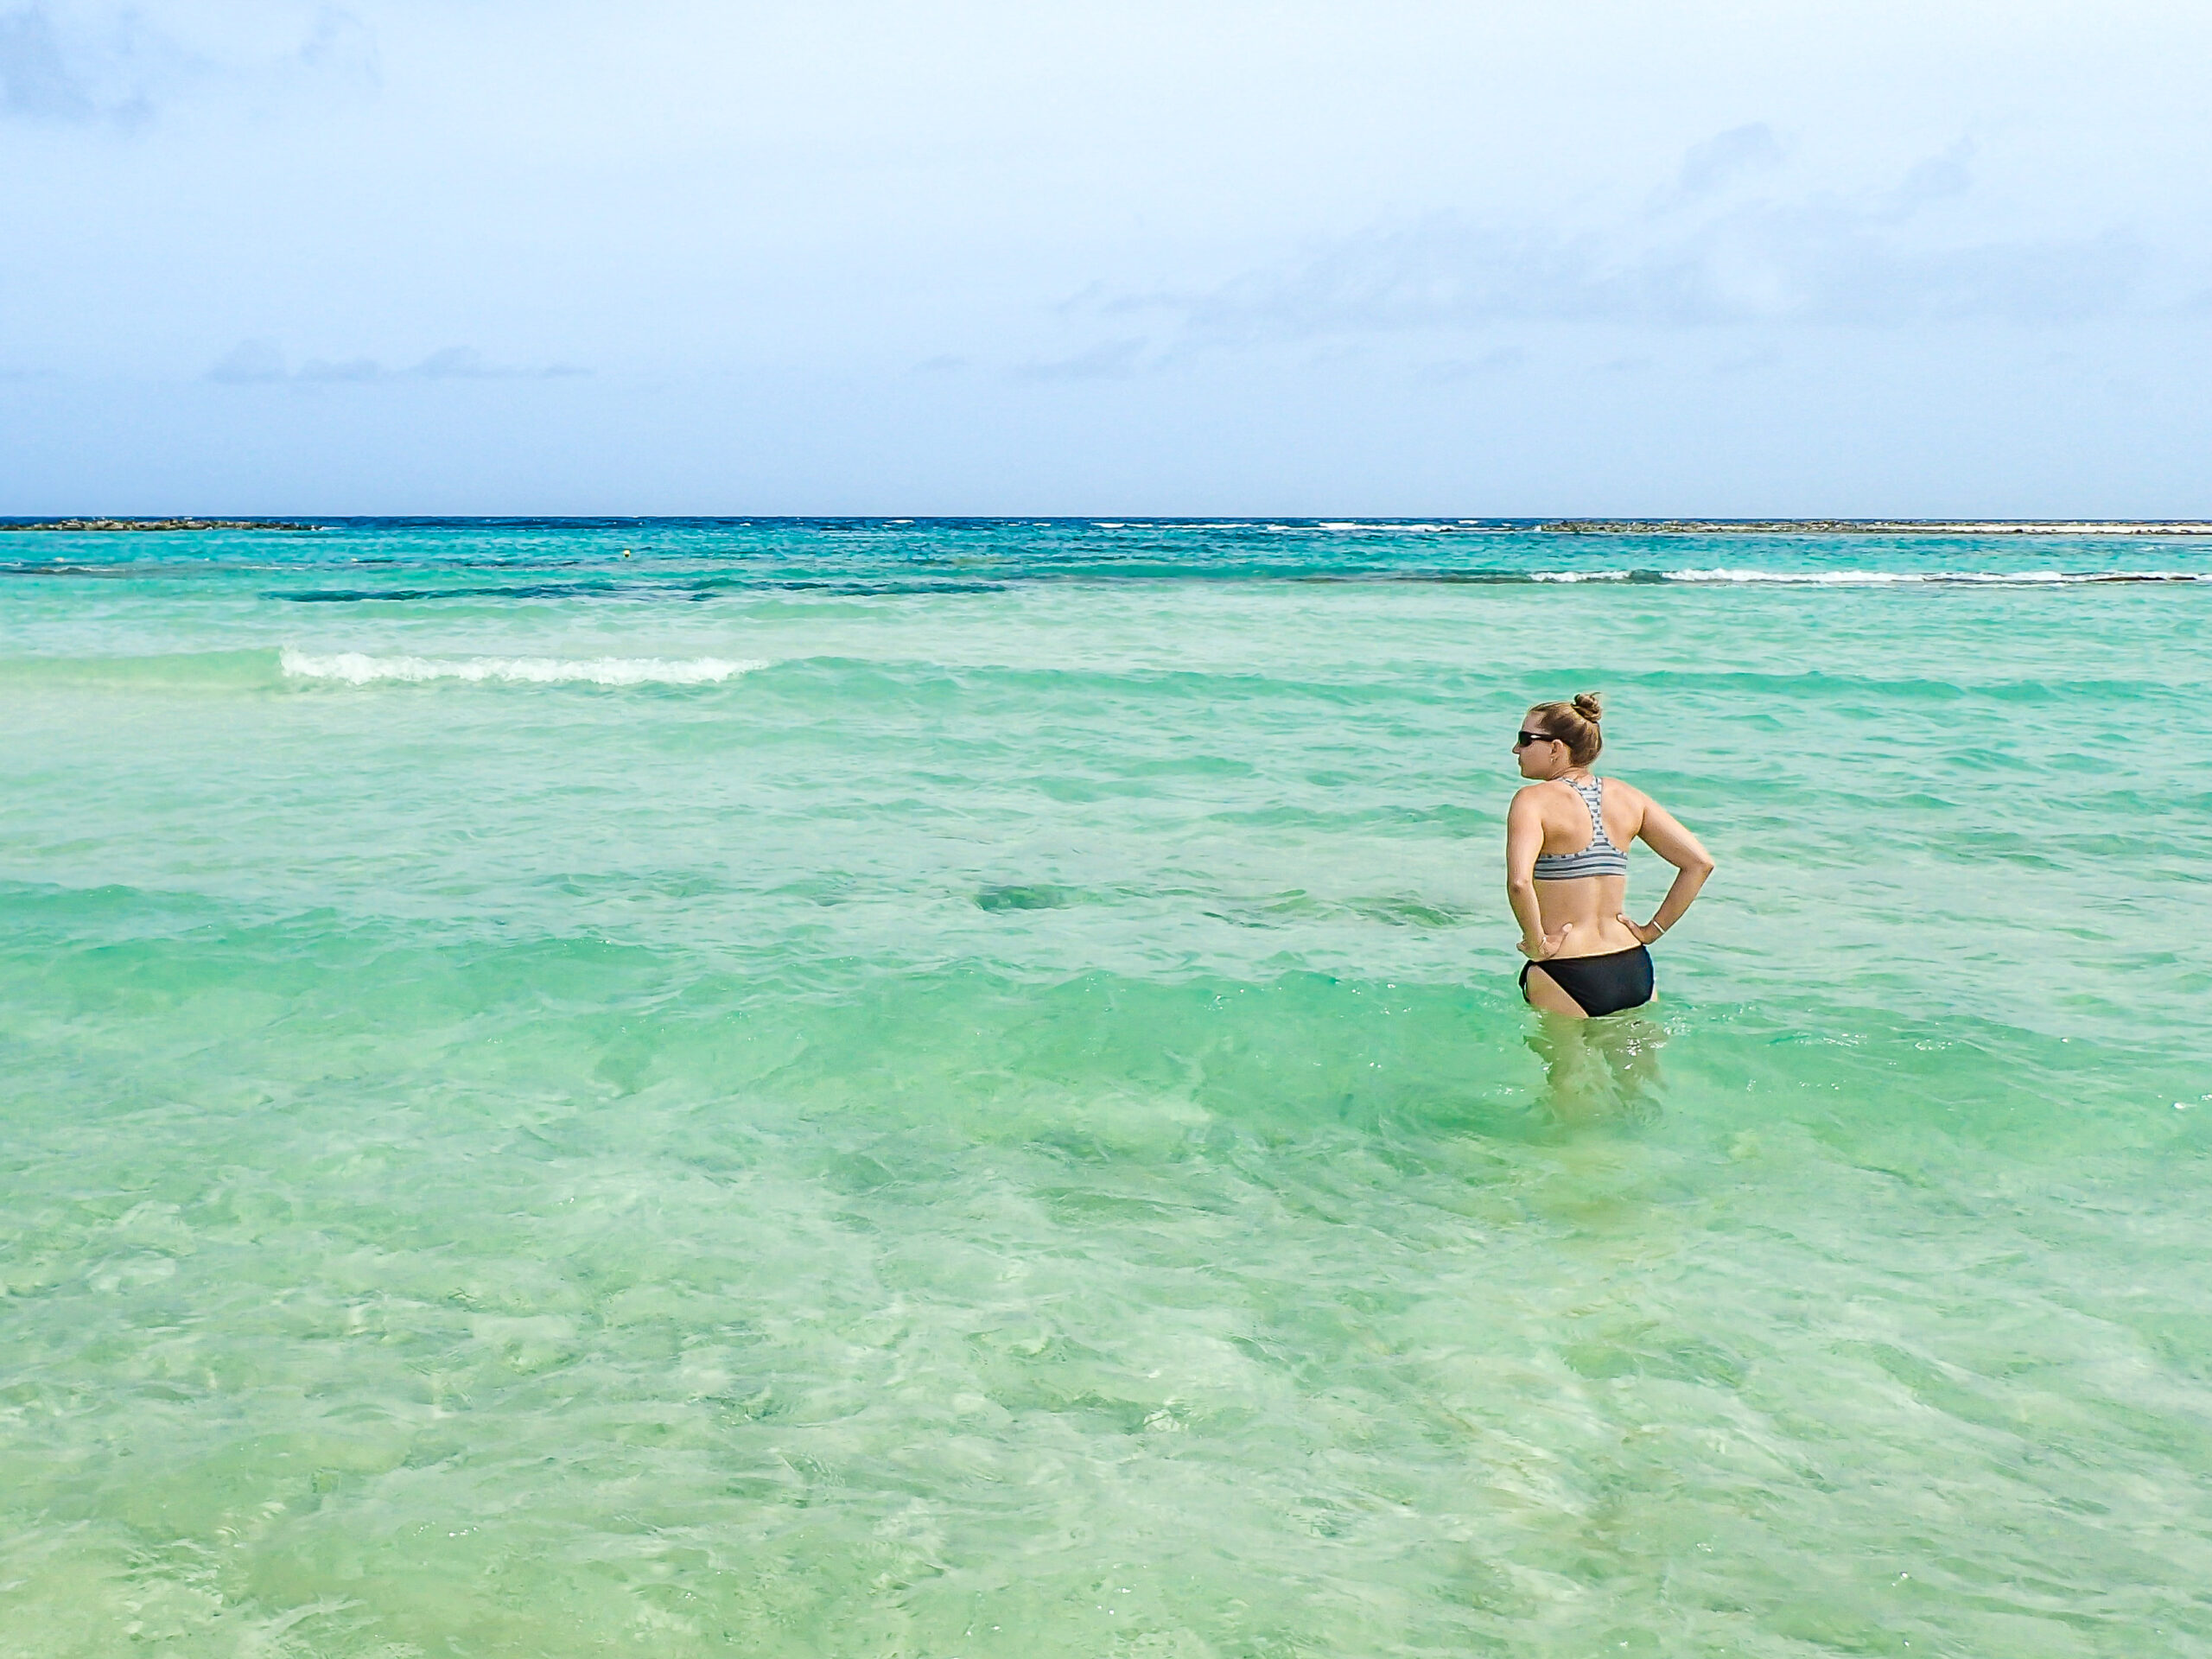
1587, 706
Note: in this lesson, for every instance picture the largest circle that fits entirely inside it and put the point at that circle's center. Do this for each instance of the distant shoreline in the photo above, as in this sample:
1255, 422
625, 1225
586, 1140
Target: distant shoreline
1877, 527
157, 524
1547, 526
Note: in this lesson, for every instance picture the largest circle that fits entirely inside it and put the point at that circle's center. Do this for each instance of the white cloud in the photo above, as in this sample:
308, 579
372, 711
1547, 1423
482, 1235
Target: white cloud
1935, 179
1110, 359
65, 60
261, 362
1728, 155
37, 80
1498, 361
1881, 260
249, 362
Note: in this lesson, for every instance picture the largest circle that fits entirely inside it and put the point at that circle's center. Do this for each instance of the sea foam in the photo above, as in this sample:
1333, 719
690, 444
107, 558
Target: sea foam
358, 668
1891, 578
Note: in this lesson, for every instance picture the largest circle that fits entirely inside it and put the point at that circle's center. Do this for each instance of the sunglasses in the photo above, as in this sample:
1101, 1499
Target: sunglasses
1522, 740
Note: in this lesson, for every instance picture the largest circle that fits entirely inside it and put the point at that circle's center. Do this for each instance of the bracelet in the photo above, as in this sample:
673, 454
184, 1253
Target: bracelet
1658, 925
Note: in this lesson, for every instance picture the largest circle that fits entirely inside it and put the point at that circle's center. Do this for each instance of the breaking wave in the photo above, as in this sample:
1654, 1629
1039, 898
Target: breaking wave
358, 668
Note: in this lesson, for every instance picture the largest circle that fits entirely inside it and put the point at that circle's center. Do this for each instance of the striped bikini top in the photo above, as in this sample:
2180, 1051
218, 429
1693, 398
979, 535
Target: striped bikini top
1600, 857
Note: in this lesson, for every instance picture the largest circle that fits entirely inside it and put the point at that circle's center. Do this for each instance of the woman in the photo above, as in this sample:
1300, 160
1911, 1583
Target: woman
1567, 839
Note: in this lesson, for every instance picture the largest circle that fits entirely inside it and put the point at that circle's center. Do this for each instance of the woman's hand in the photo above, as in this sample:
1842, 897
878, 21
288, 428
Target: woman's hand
1645, 934
1551, 943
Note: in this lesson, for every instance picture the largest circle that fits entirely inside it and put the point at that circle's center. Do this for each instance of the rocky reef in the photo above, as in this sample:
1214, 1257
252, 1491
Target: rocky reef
1876, 527
154, 523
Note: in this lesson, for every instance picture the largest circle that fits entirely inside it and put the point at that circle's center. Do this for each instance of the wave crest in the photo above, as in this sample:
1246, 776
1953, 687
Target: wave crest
358, 668
1886, 578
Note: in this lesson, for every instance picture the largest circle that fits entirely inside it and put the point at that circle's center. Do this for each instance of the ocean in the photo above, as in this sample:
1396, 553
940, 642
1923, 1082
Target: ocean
956, 1089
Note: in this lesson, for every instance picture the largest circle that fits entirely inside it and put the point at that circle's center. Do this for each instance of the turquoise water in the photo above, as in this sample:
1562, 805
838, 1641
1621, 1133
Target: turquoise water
956, 1090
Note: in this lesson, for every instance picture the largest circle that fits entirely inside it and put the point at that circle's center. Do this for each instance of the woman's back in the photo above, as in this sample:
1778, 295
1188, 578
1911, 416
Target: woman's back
1581, 874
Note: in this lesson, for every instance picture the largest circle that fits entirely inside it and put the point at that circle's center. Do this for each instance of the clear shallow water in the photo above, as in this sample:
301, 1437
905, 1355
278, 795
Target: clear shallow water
863, 1089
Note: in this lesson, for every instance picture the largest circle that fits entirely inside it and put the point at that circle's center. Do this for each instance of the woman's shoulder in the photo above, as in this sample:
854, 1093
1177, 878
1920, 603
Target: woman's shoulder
1627, 803
1535, 792
1529, 797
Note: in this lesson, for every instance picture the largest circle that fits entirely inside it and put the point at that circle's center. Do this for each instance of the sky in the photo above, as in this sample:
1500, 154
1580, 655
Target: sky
1393, 257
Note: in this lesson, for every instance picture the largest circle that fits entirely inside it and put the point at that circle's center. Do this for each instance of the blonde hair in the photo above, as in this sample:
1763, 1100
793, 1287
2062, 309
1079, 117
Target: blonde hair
1575, 724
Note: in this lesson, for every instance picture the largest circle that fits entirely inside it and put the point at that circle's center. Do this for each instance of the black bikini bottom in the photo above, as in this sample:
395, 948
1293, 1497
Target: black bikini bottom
1606, 984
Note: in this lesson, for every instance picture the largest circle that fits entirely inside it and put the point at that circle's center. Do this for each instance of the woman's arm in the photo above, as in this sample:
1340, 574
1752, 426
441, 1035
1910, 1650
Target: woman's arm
1665, 837
1524, 839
